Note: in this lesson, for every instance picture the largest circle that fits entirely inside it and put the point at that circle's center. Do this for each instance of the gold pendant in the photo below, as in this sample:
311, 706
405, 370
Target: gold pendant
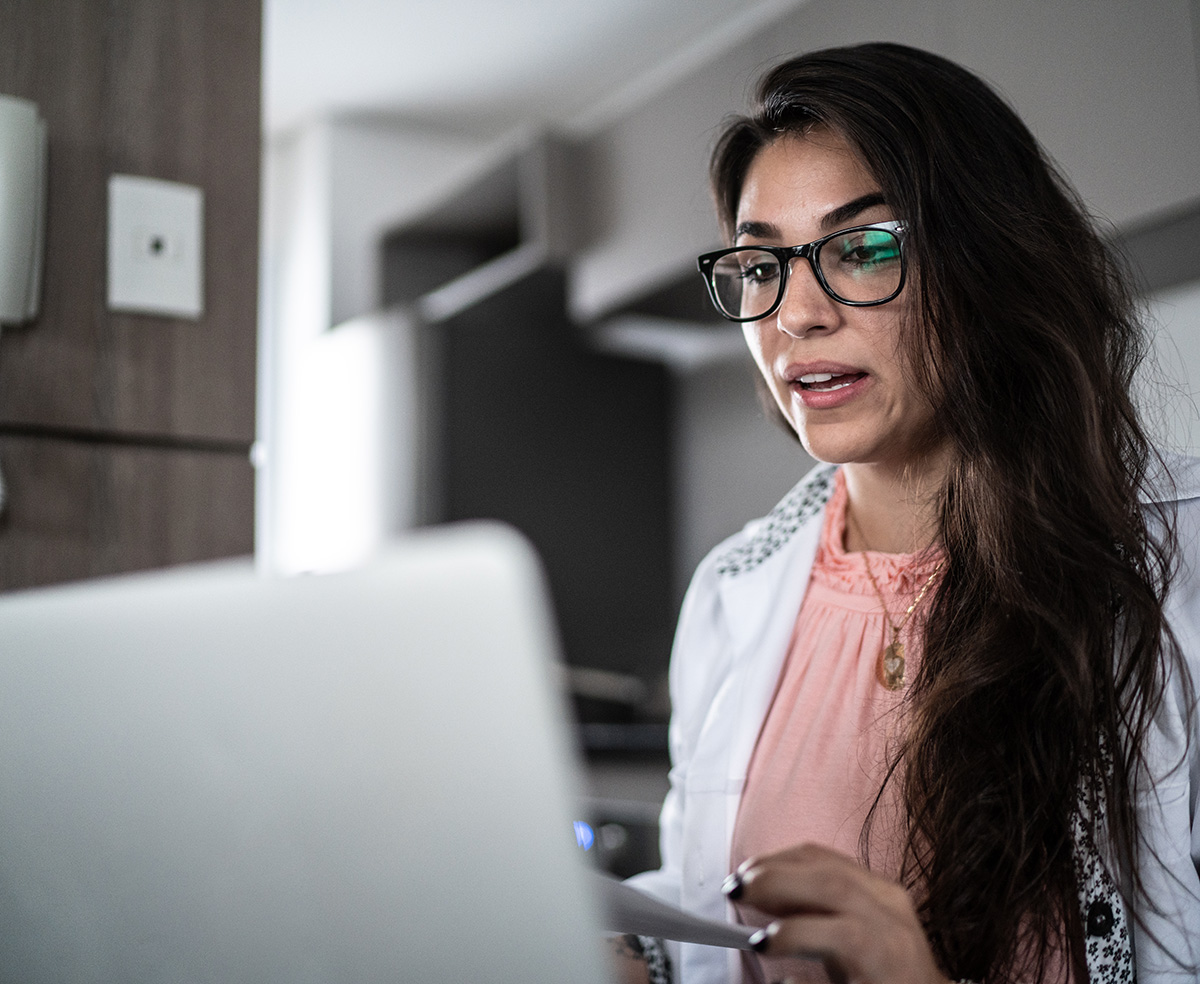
891, 666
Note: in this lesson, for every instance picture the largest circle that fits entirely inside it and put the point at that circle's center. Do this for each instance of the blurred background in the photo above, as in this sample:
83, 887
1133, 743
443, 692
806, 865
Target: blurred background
449, 273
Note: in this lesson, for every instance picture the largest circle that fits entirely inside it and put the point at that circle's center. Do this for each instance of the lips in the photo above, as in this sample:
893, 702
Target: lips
826, 381
822, 375
826, 385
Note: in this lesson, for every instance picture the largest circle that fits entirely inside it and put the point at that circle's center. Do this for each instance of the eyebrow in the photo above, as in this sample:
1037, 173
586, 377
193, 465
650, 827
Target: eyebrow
829, 221
851, 210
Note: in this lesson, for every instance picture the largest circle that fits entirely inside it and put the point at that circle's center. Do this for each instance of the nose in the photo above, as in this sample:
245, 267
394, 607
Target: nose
805, 306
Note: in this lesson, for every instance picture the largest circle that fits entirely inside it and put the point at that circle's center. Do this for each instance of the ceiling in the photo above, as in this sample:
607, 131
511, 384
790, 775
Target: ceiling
484, 67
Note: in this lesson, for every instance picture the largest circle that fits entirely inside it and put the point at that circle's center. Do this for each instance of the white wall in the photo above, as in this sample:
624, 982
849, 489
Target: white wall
337, 429
1170, 390
294, 292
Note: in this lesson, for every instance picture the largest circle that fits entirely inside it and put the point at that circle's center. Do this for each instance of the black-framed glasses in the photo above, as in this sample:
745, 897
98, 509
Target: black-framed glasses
860, 266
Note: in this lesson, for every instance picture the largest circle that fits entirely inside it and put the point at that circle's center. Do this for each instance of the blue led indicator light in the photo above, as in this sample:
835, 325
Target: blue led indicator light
584, 836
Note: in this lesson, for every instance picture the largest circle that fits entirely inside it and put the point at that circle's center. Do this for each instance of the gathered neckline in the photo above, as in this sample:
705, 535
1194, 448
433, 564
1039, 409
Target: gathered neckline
897, 574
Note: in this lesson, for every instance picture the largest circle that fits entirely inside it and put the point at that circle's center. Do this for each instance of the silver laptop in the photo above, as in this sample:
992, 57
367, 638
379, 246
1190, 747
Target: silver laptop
210, 776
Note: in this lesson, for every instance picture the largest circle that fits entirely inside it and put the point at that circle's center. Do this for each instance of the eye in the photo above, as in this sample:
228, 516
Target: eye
867, 250
756, 267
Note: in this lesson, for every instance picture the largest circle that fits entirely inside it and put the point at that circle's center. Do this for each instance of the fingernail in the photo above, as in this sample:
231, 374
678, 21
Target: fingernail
732, 886
759, 940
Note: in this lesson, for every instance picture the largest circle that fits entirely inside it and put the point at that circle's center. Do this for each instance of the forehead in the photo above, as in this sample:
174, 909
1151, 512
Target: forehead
796, 179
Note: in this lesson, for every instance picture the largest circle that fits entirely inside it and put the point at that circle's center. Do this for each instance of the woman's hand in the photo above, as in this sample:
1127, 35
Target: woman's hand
828, 906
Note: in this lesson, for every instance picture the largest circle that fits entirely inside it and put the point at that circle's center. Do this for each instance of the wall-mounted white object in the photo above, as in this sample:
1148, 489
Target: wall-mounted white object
155, 247
22, 208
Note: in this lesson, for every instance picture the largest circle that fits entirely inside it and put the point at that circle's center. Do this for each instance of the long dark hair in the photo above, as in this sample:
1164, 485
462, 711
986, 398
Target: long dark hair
1045, 646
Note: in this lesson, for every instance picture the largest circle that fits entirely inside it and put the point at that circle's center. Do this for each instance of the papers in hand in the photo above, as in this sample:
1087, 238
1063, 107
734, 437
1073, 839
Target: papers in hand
628, 910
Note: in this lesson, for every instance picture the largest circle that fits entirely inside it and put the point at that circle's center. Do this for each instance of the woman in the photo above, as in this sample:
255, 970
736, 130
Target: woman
931, 715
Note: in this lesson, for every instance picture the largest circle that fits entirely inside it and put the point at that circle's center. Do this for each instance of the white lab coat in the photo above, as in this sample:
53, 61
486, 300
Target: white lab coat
733, 635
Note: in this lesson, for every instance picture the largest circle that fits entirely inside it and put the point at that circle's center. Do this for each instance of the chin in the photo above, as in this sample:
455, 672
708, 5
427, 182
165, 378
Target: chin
833, 448
831, 452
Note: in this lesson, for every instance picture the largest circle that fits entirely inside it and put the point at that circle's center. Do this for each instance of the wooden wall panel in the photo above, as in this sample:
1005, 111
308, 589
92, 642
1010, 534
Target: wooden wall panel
161, 88
82, 509
124, 438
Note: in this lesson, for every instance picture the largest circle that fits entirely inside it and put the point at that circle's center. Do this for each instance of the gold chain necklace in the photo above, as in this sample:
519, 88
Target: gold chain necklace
890, 668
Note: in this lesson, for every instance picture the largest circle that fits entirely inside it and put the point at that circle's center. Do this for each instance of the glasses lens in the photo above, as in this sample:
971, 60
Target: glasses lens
862, 265
746, 283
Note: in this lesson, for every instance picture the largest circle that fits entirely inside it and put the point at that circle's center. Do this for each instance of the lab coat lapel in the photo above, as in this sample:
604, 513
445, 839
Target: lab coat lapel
761, 605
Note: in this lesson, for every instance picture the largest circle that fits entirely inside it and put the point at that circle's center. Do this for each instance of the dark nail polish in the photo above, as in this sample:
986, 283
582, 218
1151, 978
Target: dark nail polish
732, 886
759, 941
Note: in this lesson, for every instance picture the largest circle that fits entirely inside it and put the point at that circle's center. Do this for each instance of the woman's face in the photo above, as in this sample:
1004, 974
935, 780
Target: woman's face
837, 372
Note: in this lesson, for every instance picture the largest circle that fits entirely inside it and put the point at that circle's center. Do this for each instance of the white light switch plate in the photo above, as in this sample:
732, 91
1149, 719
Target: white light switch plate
155, 247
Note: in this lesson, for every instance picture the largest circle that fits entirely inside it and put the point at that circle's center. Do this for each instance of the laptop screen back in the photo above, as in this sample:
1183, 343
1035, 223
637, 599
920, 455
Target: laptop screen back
210, 776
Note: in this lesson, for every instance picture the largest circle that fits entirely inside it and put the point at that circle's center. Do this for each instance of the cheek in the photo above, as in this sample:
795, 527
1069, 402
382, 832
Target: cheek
881, 327
755, 341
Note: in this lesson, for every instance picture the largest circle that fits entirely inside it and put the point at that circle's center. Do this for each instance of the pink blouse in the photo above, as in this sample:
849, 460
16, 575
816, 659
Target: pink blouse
822, 752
